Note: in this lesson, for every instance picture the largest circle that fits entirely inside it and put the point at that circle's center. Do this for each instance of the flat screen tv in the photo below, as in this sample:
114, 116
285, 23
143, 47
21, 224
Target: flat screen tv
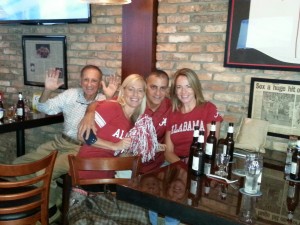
44, 11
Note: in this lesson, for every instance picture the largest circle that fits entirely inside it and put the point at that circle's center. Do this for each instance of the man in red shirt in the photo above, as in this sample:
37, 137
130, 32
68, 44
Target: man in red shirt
158, 108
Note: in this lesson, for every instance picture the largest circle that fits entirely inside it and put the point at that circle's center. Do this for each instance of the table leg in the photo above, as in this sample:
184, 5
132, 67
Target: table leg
20, 142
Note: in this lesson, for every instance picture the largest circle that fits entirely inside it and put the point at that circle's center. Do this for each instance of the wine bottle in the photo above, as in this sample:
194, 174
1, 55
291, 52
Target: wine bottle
295, 165
210, 149
193, 146
228, 147
1, 109
292, 199
195, 189
20, 107
198, 157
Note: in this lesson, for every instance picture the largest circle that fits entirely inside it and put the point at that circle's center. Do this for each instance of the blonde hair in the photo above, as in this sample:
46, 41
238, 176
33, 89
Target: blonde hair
128, 80
193, 81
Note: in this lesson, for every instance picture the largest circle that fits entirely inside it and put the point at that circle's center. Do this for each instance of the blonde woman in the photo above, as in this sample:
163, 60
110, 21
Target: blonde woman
114, 118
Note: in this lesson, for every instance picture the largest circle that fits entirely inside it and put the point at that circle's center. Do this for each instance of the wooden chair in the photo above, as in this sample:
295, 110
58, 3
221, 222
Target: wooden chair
80, 164
26, 201
102, 164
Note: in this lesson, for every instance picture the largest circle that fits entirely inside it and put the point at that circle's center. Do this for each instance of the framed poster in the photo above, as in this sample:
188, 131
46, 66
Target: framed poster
263, 34
276, 101
41, 53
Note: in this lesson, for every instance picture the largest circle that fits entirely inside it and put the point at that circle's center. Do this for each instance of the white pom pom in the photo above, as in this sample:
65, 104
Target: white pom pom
143, 138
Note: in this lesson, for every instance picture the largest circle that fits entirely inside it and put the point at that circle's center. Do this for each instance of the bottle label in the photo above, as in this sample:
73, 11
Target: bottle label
193, 188
290, 216
209, 148
201, 139
291, 191
206, 190
195, 165
207, 168
294, 168
287, 169
19, 112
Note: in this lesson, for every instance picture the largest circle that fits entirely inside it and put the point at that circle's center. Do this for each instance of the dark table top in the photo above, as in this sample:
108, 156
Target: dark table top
31, 120
175, 192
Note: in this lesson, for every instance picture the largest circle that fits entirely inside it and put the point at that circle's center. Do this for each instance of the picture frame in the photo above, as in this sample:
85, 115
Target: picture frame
41, 53
263, 37
276, 101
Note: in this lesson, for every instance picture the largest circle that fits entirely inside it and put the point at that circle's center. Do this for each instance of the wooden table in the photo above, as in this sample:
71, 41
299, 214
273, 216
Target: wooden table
151, 192
31, 121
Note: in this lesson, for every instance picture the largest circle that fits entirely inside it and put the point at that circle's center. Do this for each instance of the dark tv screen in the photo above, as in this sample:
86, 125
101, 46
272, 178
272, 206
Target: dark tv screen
44, 11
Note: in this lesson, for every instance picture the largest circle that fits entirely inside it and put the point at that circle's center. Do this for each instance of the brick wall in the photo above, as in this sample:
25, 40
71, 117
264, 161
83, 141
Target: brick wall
191, 33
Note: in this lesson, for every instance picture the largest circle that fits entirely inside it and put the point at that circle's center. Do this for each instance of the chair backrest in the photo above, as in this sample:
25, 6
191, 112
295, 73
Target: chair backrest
25, 200
103, 164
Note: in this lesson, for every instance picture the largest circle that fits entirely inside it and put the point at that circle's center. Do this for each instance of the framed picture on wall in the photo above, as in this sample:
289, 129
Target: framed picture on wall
41, 53
263, 36
276, 101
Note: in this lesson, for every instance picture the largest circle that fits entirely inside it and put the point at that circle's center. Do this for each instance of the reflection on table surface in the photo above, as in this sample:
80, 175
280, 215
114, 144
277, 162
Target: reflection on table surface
29, 116
31, 120
175, 183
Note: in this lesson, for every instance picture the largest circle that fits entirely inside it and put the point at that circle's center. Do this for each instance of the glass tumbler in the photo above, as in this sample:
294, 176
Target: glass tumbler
253, 169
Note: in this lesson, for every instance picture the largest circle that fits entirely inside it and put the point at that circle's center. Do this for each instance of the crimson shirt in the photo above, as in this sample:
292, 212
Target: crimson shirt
159, 118
112, 125
181, 126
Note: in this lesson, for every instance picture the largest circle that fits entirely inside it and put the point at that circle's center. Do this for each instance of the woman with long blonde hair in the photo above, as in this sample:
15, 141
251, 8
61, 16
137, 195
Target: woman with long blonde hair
114, 119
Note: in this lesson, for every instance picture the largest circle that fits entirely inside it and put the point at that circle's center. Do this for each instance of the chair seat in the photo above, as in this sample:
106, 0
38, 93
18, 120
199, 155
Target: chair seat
7, 204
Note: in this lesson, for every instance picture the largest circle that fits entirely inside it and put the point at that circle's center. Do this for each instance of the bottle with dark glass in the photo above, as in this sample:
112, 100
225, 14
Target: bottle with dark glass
228, 147
1, 109
20, 107
295, 165
210, 149
292, 199
193, 146
195, 189
198, 157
